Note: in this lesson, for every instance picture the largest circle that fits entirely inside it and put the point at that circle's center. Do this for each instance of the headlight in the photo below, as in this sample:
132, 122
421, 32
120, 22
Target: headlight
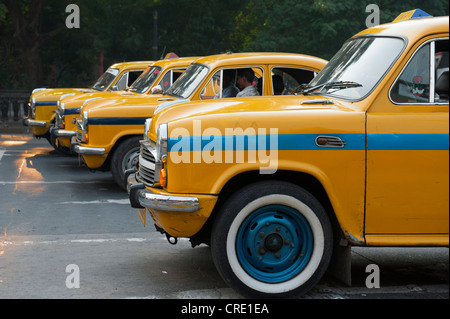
84, 119
59, 120
84, 127
148, 123
161, 154
161, 142
33, 108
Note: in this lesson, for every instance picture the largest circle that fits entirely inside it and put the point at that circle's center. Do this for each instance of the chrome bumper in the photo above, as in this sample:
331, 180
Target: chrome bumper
64, 133
89, 150
29, 122
141, 197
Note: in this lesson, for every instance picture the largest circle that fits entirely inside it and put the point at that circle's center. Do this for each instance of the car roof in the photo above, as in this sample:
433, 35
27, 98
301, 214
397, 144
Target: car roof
132, 64
175, 61
262, 58
412, 29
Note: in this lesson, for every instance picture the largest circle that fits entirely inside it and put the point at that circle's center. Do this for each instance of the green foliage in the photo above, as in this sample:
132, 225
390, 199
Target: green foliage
316, 27
122, 30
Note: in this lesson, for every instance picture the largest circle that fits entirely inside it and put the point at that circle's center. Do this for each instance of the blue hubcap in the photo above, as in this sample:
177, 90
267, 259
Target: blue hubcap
274, 243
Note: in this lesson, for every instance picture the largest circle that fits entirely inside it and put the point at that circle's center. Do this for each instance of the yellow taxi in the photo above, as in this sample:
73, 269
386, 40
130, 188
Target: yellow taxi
43, 102
276, 185
158, 76
109, 132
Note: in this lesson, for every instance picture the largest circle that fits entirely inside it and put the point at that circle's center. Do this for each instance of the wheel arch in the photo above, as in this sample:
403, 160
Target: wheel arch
304, 180
107, 164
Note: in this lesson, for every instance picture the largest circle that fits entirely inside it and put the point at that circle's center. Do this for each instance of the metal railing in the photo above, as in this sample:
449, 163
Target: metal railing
13, 105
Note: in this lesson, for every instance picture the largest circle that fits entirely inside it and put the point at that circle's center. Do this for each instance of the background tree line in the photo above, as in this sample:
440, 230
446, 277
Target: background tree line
37, 49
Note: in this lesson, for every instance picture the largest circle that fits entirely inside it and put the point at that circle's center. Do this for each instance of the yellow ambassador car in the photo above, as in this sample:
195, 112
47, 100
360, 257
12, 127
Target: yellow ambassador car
276, 185
158, 76
43, 102
104, 124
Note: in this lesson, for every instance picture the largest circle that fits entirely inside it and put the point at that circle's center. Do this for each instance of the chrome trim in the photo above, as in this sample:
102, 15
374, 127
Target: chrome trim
331, 141
36, 123
148, 123
89, 150
323, 102
432, 71
64, 133
161, 141
150, 200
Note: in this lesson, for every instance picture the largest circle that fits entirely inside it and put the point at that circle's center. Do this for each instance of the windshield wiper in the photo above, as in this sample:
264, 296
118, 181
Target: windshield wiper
306, 88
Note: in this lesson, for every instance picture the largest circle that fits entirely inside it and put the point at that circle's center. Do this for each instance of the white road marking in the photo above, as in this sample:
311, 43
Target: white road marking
54, 182
102, 201
2, 152
5, 243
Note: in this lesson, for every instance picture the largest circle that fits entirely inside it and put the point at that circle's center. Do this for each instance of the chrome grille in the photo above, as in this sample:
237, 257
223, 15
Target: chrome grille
146, 171
146, 154
79, 125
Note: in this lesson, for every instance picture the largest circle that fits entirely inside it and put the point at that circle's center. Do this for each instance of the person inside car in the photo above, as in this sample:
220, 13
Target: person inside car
245, 83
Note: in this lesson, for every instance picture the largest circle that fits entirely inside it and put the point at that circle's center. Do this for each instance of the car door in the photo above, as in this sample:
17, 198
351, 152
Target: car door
407, 150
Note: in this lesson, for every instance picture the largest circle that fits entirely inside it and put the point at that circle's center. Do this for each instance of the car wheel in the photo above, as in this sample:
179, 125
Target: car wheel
126, 156
272, 240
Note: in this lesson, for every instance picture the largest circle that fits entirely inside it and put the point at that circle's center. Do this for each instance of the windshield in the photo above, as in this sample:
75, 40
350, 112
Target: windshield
188, 81
361, 60
106, 79
145, 81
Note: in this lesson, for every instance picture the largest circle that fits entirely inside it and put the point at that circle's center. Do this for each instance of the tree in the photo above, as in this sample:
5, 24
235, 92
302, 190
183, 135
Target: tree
27, 38
316, 27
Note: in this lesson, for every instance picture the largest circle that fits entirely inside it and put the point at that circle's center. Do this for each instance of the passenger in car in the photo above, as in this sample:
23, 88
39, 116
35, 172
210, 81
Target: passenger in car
229, 87
245, 82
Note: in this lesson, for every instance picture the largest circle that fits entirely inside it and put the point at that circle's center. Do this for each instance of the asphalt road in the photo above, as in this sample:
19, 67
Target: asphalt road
69, 233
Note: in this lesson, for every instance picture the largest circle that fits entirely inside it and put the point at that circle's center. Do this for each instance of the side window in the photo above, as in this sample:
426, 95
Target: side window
441, 71
166, 81
413, 85
212, 89
285, 80
169, 78
424, 80
133, 76
121, 84
225, 84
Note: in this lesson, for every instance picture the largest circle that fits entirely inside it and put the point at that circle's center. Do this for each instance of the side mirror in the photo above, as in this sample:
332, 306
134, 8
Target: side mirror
157, 89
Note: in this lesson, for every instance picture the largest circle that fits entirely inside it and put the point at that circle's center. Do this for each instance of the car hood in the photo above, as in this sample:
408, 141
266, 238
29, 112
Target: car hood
269, 111
55, 94
126, 106
77, 100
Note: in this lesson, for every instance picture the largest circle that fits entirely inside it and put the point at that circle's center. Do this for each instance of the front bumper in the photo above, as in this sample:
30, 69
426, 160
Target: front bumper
179, 215
84, 150
30, 122
64, 133
140, 197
